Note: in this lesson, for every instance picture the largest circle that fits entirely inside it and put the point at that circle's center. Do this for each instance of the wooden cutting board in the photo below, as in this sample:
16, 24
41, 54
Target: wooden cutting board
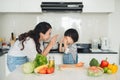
68, 66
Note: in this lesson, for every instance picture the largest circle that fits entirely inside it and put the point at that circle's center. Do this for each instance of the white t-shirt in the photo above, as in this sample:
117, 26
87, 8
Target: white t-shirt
29, 49
72, 49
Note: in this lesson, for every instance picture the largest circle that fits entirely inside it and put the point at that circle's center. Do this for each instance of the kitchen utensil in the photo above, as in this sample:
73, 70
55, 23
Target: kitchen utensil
95, 44
105, 44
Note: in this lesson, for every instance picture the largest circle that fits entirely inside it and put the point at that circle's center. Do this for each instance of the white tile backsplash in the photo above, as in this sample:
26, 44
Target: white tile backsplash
89, 25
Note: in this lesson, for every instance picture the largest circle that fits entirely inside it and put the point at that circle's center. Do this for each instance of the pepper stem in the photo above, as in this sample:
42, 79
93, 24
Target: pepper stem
106, 58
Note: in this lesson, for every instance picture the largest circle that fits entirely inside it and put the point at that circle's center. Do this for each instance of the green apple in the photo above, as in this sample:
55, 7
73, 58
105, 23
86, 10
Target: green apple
105, 69
109, 71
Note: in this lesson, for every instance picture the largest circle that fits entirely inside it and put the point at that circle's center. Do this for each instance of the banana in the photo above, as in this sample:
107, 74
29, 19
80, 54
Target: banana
36, 70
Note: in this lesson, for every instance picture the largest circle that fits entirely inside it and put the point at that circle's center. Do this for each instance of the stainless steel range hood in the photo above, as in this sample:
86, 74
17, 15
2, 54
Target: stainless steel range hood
61, 6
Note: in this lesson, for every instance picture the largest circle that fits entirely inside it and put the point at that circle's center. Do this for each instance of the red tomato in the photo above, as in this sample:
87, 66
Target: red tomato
50, 70
43, 71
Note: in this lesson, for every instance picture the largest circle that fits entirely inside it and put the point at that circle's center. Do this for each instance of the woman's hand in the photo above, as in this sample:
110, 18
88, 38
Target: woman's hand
50, 45
53, 40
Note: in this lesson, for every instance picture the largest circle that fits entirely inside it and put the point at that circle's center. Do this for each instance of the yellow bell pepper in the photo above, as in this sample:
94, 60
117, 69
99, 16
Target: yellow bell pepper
113, 67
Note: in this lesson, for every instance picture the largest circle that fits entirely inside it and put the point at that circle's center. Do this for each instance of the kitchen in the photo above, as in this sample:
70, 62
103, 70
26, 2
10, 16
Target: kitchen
94, 22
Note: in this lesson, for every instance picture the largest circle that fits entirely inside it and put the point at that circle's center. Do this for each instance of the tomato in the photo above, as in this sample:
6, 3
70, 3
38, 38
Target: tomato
43, 71
50, 70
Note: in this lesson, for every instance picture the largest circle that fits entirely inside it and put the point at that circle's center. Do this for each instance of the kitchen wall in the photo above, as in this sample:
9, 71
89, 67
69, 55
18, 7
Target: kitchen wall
89, 25
114, 27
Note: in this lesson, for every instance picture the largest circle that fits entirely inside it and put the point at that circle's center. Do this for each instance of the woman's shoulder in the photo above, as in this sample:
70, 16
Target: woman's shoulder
29, 41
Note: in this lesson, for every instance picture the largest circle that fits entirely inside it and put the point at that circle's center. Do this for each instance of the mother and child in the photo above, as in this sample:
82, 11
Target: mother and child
29, 44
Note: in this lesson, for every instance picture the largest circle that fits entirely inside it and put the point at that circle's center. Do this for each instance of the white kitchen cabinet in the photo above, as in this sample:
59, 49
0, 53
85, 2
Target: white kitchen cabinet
98, 5
30, 6
2, 67
112, 58
58, 57
9, 5
86, 57
61, 0
20, 6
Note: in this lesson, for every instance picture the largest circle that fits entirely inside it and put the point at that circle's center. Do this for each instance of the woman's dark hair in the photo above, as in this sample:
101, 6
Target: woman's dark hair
72, 33
42, 27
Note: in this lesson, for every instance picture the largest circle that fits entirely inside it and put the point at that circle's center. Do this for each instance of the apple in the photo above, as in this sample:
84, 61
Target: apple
105, 69
109, 71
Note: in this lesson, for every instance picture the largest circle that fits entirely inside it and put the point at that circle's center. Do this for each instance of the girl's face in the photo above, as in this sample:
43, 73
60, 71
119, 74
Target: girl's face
45, 36
69, 40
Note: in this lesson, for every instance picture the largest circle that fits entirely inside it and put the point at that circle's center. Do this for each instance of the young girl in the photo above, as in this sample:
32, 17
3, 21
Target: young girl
29, 44
68, 47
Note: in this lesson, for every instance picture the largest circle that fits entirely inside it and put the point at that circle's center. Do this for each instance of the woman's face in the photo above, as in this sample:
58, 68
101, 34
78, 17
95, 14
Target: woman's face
45, 36
69, 40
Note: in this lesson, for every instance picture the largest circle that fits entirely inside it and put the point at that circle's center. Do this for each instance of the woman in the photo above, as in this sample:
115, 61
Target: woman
29, 44
67, 45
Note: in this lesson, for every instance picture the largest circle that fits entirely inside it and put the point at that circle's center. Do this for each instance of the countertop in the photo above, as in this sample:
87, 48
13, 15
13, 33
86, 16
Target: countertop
70, 74
102, 52
3, 51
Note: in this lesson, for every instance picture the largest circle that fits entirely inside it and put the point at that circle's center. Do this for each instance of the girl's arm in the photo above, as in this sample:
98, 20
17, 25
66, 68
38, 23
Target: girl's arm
50, 45
61, 46
63, 42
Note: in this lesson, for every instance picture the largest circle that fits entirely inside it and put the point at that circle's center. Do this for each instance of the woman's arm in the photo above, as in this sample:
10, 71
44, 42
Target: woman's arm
50, 45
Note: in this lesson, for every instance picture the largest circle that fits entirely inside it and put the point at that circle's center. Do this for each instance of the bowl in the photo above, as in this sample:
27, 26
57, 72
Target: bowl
95, 71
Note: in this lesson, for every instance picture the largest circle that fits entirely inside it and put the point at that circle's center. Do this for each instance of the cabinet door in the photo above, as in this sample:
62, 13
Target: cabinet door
30, 6
61, 0
9, 6
98, 5
58, 58
2, 67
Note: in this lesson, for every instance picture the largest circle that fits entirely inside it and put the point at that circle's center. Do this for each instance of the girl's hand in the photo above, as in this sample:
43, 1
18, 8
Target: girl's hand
65, 41
53, 40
